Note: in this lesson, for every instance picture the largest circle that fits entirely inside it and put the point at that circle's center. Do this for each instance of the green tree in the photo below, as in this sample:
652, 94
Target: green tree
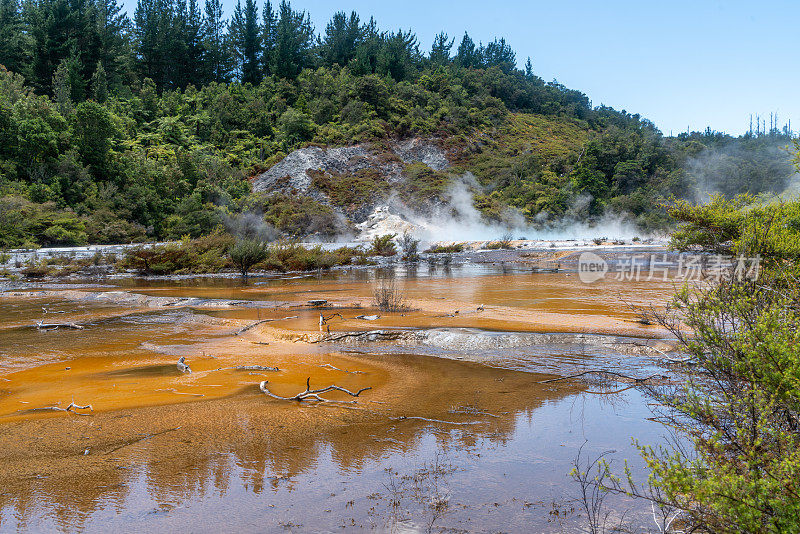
341, 40
15, 49
94, 130
467, 55
440, 51
155, 41
245, 253
294, 37
100, 84
246, 37
218, 58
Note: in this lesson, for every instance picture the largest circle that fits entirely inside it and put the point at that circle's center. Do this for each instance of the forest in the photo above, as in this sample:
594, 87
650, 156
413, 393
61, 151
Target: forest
117, 128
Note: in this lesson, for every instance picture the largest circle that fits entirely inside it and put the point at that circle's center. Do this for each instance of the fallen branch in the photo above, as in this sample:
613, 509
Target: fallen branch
311, 394
183, 367
143, 438
72, 407
408, 417
329, 366
601, 372
249, 368
253, 325
53, 326
379, 333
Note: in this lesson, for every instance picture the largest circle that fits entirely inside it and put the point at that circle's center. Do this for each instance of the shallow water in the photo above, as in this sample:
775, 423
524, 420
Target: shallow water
439, 442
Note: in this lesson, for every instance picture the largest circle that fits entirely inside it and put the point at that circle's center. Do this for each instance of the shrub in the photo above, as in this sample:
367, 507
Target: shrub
503, 243
245, 253
409, 246
388, 297
383, 245
446, 249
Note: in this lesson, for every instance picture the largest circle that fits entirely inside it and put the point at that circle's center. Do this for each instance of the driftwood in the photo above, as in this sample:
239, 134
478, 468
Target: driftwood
379, 333
41, 325
72, 408
368, 317
311, 394
140, 439
602, 372
331, 367
183, 367
250, 368
427, 420
253, 325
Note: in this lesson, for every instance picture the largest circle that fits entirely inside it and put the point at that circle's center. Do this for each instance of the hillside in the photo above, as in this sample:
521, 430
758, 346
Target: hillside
130, 135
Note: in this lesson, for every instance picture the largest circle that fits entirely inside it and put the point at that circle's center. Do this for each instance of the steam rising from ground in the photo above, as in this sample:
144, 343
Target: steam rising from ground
458, 220
757, 165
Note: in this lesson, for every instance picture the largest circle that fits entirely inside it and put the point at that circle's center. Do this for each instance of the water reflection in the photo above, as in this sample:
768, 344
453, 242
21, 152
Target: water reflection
507, 473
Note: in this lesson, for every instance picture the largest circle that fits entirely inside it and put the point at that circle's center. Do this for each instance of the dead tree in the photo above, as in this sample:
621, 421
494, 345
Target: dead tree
311, 394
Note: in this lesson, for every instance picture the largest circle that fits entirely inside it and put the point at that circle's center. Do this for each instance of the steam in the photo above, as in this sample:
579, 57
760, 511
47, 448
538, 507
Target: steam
250, 225
753, 166
457, 219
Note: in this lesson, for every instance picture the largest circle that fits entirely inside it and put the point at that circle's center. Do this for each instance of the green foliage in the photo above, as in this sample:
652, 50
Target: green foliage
741, 412
351, 192
290, 256
149, 128
247, 252
207, 254
446, 249
383, 245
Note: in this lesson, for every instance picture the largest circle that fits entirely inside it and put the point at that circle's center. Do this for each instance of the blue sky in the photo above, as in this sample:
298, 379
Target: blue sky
679, 63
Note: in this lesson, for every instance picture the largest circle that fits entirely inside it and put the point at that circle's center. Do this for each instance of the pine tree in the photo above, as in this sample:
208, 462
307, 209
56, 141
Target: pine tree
294, 37
268, 28
342, 38
218, 59
498, 53
15, 47
113, 46
246, 36
467, 56
68, 86
399, 55
188, 51
368, 49
529, 68
440, 51
155, 35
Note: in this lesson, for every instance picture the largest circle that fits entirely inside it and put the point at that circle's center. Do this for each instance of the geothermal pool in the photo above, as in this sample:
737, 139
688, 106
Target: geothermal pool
458, 431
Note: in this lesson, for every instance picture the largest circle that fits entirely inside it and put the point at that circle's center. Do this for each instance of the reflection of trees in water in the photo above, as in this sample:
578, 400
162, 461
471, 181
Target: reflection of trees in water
238, 438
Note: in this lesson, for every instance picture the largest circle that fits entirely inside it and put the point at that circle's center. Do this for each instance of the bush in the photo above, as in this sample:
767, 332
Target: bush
446, 249
503, 243
245, 253
409, 247
388, 297
383, 245
291, 256
207, 254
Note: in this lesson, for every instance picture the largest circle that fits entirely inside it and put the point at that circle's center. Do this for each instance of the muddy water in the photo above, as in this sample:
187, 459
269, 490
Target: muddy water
457, 431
